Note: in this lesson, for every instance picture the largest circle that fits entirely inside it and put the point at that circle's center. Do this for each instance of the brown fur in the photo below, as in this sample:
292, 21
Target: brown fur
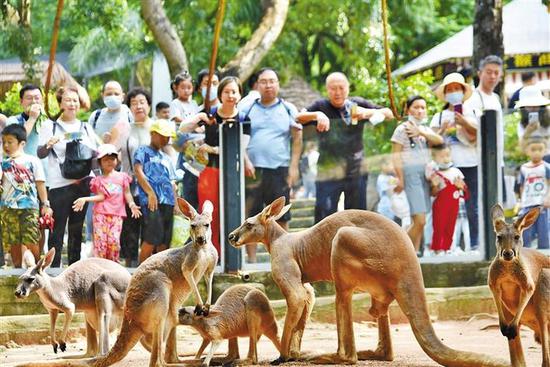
520, 281
357, 250
93, 286
241, 311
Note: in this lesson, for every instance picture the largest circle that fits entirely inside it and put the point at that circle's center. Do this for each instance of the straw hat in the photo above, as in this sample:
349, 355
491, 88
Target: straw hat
531, 96
453, 78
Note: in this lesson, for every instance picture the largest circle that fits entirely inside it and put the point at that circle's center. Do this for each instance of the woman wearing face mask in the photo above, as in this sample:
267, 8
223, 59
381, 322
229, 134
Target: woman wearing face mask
112, 123
535, 116
410, 155
457, 124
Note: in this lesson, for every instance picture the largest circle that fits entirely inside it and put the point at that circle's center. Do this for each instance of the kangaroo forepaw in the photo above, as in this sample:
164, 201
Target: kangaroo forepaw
509, 331
63, 346
206, 309
279, 361
200, 310
54, 345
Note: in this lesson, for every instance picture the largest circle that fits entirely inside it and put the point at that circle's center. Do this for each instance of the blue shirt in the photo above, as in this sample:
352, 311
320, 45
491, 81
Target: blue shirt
32, 139
270, 126
159, 171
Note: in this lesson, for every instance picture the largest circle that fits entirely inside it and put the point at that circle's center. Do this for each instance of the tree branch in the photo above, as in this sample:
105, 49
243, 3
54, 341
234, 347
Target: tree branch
252, 53
153, 14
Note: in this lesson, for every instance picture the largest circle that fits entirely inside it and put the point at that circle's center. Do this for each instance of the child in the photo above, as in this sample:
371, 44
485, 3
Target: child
162, 110
534, 183
183, 107
112, 192
448, 187
385, 183
22, 178
156, 177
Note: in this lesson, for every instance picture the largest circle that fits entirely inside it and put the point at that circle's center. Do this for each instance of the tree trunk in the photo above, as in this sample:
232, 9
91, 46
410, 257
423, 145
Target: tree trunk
165, 35
251, 54
488, 39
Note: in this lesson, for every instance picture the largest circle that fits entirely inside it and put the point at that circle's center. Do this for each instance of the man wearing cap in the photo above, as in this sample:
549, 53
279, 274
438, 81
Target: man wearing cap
535, 117
156, 177
458, 126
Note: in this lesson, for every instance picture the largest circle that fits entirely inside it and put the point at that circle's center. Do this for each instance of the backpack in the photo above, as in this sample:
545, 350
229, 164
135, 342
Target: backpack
303, 166
78, 157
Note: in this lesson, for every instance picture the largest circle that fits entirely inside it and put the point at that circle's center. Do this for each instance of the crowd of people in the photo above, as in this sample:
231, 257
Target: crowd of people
117, 172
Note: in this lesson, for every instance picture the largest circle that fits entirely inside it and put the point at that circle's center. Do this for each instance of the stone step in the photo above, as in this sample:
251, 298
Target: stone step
303, 212
302, 203
303, 222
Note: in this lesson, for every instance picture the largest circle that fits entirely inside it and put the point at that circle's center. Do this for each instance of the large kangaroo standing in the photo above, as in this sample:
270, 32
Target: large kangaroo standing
357, 250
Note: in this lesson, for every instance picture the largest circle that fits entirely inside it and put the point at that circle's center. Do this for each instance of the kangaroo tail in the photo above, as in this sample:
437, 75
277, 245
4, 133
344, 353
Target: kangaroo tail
127, 338
415, 308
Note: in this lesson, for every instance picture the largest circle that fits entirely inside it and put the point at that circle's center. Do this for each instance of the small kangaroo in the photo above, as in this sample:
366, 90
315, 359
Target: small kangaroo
358, 250
94, 286
520, 281
240, 311
157, 289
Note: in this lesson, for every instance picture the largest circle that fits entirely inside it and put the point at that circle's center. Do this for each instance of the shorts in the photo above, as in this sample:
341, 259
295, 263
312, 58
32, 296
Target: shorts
19, 227
268, 185
157, 225
417, 190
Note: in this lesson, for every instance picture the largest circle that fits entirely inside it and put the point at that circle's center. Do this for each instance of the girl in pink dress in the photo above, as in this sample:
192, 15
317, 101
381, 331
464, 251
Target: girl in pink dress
112, 191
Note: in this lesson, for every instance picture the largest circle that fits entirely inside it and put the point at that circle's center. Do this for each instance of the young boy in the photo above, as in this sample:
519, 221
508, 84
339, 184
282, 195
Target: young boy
534, 183
162, 110
22, 184
448, 187
156, 177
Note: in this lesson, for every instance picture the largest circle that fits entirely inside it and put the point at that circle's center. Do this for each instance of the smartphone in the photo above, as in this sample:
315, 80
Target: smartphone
458, 108
533, 117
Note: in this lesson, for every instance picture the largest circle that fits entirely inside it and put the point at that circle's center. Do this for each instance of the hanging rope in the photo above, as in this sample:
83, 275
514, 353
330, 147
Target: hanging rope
387, 59
214, 54
51, 61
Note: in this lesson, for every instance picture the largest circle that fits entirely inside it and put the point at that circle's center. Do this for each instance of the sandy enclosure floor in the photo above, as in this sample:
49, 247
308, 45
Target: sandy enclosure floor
480, 336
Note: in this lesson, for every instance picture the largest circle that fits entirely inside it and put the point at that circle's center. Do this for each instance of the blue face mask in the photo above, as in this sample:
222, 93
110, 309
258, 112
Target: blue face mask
454, 98
213, 92
113, 102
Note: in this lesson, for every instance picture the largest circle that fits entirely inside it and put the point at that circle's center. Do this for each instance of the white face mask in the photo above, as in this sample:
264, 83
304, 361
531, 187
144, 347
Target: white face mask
417, 121
113, 102
213, 92
454, 98
444, 166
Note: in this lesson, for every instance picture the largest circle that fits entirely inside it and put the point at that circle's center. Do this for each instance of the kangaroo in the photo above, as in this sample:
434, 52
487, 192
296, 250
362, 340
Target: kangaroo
519, 279
94, 286
357, 250
157, 289
240, 311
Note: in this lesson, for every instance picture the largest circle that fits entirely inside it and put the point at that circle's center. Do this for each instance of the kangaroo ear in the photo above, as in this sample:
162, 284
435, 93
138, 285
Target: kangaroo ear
207, 207
47, 260
527, 220
186, 208
283, 211
273, 209
497, 214
28, 260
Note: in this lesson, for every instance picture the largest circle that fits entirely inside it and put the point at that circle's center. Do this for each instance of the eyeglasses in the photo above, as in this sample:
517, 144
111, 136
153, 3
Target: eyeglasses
268, 81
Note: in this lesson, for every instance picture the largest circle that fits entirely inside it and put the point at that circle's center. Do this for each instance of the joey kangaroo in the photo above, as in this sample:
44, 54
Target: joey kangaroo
156, 291
357, 250
94, 286
520, 281
240, 311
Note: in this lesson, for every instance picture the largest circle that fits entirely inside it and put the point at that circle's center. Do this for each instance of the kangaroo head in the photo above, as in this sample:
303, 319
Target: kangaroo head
186, 315
508, 236
254, 229
35, 277
200, 232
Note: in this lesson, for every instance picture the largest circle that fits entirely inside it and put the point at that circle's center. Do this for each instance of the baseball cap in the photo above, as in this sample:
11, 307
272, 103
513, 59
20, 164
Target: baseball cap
164, 128
106, 149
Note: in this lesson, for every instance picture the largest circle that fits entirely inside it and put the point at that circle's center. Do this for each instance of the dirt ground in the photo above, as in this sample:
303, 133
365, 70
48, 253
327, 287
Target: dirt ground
478, 335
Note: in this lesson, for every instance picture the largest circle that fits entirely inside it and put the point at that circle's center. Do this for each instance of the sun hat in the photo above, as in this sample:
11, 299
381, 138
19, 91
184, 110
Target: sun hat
531, 96
106, 149
164, 128
453, 78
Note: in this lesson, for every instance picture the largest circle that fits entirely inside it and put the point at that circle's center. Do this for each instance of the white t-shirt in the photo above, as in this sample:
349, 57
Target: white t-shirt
534, 182
89, 138
183, 110
463, 155
478, 103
